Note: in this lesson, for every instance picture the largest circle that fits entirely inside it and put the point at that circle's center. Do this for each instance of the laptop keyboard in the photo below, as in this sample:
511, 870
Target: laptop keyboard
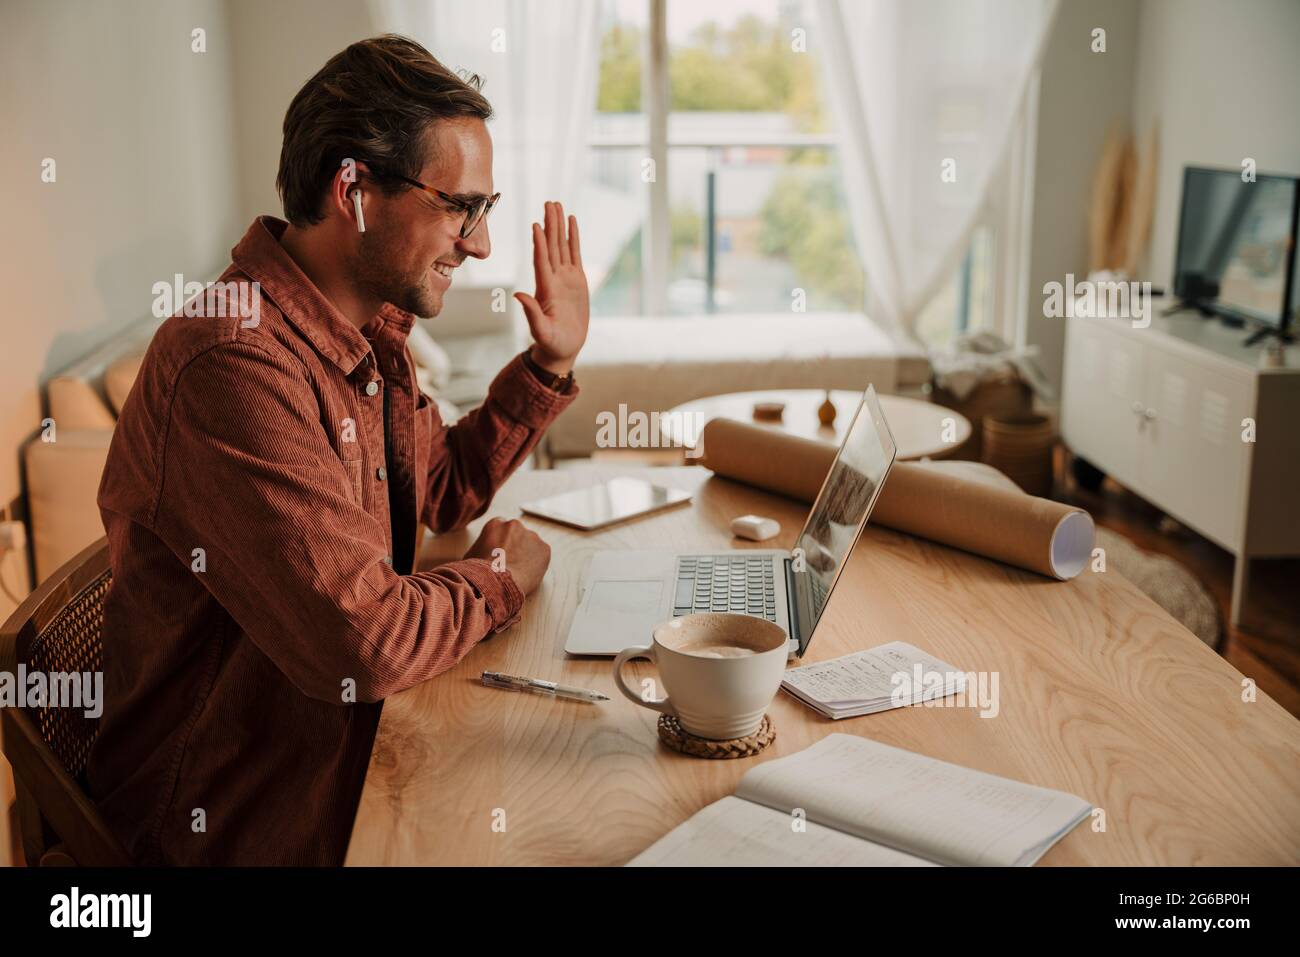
819, 592
735, 583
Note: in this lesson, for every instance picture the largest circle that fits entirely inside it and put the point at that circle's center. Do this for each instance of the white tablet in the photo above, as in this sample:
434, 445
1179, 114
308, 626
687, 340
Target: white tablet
615, 501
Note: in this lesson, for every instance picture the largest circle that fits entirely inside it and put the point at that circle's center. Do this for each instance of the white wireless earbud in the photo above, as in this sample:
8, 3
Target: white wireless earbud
356, 204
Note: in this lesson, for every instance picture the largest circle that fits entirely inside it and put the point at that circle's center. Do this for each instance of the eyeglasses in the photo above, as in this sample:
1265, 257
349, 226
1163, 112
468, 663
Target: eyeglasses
474, 211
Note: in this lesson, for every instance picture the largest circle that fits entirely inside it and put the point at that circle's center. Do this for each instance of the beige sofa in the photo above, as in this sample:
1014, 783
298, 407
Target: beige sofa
651, 365
63, 465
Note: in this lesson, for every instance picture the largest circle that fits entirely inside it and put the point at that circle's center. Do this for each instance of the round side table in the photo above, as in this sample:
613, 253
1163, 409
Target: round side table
921, 429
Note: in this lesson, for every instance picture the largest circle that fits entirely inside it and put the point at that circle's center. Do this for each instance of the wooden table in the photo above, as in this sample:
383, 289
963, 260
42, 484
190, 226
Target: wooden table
921, 429
1102, 694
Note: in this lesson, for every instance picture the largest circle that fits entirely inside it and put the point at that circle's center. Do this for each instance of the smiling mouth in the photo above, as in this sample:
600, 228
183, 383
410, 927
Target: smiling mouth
443, 269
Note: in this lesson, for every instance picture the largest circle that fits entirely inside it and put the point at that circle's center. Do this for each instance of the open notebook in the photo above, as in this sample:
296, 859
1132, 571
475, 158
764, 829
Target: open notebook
868, 804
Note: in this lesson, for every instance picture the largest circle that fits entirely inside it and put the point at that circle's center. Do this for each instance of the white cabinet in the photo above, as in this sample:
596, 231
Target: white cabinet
1103, 386
1193, 457
1183, 415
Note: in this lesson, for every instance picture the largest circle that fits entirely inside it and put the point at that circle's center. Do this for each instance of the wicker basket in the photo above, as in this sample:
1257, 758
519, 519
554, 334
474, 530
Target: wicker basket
1004, 395
1020, 446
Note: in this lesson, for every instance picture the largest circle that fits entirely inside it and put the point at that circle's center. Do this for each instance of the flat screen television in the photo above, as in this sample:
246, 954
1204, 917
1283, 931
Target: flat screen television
1237, 246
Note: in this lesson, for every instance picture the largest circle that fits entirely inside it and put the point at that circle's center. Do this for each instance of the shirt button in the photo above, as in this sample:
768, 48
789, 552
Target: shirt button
372, 387
388, 559
381, 473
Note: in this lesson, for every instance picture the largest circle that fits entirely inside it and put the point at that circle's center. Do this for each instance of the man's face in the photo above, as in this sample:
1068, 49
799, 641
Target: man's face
411, 246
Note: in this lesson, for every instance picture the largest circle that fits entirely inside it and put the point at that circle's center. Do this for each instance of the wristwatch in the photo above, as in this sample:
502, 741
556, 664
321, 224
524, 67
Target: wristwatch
551, 380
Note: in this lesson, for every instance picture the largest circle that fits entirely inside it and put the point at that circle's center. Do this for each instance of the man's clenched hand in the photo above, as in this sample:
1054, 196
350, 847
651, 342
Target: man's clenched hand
522, 550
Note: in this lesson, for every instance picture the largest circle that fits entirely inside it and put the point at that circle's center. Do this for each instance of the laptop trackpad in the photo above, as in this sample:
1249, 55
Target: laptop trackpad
623, 598
617, 614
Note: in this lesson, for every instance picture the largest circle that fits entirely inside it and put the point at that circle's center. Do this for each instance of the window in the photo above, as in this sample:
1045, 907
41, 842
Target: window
964, 303
713, 166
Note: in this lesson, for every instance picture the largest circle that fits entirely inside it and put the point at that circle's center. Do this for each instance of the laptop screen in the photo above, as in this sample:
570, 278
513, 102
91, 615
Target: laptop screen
841, 510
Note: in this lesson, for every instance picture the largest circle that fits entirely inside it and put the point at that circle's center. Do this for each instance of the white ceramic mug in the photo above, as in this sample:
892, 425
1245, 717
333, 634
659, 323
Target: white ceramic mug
713, 697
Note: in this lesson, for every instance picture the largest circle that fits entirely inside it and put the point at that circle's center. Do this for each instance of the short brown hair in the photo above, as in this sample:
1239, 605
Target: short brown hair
372, 103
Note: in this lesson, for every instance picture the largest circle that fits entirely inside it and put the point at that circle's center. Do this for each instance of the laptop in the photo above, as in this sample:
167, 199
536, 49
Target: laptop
626, 593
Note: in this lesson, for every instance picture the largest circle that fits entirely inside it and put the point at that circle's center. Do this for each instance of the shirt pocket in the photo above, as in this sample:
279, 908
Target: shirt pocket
353, 467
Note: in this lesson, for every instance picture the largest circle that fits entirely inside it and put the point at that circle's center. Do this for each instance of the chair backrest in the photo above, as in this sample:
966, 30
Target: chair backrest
58, 629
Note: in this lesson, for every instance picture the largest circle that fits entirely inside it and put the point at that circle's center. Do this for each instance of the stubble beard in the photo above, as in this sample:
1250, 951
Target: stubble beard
376, 273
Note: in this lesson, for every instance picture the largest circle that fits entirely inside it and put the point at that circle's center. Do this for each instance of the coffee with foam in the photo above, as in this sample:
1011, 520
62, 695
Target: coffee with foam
720, 670
720, 635
715, 649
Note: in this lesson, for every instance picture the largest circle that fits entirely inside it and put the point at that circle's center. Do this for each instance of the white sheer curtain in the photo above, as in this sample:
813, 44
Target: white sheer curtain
928, 96
540, 61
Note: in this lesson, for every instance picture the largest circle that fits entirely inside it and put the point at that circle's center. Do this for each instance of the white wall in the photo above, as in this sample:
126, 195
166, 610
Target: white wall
141, 132
1082, 95
280, 47
1221, 80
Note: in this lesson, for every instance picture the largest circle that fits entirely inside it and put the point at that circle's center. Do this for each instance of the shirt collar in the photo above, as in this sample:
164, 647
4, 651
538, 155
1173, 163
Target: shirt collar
261, 257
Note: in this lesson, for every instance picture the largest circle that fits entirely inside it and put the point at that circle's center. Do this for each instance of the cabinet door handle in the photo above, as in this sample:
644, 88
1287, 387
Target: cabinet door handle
1149, 414
1137, 408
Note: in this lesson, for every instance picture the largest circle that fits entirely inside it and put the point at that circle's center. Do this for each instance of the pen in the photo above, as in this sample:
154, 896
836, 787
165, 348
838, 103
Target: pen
495, 679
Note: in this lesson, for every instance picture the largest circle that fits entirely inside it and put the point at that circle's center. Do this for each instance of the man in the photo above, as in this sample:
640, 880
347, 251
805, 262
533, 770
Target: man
267, 473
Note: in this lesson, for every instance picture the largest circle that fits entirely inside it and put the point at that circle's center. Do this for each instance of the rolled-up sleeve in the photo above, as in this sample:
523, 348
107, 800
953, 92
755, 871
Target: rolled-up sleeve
249, 477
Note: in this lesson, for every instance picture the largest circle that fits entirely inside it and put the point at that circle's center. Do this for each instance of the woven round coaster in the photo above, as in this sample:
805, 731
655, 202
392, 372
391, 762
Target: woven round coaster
679, 739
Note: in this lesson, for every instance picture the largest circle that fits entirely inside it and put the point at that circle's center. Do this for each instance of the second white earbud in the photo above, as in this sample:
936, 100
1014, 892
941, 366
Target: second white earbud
356, 204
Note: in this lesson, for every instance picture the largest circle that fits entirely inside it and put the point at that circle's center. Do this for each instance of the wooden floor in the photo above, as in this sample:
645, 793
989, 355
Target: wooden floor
1266, 647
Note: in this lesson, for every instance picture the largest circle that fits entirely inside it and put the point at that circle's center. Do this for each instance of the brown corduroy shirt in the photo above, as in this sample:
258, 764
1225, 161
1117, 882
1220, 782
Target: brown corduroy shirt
256, 620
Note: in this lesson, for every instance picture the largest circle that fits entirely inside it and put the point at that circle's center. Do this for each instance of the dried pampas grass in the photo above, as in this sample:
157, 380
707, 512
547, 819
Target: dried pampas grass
1123, 197
1105, 191
1119, 230
1108, 216
1143, 203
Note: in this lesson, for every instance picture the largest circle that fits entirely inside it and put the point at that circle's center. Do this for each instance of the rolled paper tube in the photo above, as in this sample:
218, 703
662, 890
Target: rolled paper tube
940, 501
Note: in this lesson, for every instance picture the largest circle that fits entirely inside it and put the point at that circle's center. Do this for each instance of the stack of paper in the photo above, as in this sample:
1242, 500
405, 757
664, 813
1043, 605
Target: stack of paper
877, 679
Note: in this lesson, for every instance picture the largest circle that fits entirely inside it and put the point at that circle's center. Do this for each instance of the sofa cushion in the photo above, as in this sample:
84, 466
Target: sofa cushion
119, 377
62, 487
77, 396
75, 403
429, 356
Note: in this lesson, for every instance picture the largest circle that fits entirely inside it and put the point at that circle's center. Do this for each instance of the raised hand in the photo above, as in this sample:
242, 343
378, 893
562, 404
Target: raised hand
559, 313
